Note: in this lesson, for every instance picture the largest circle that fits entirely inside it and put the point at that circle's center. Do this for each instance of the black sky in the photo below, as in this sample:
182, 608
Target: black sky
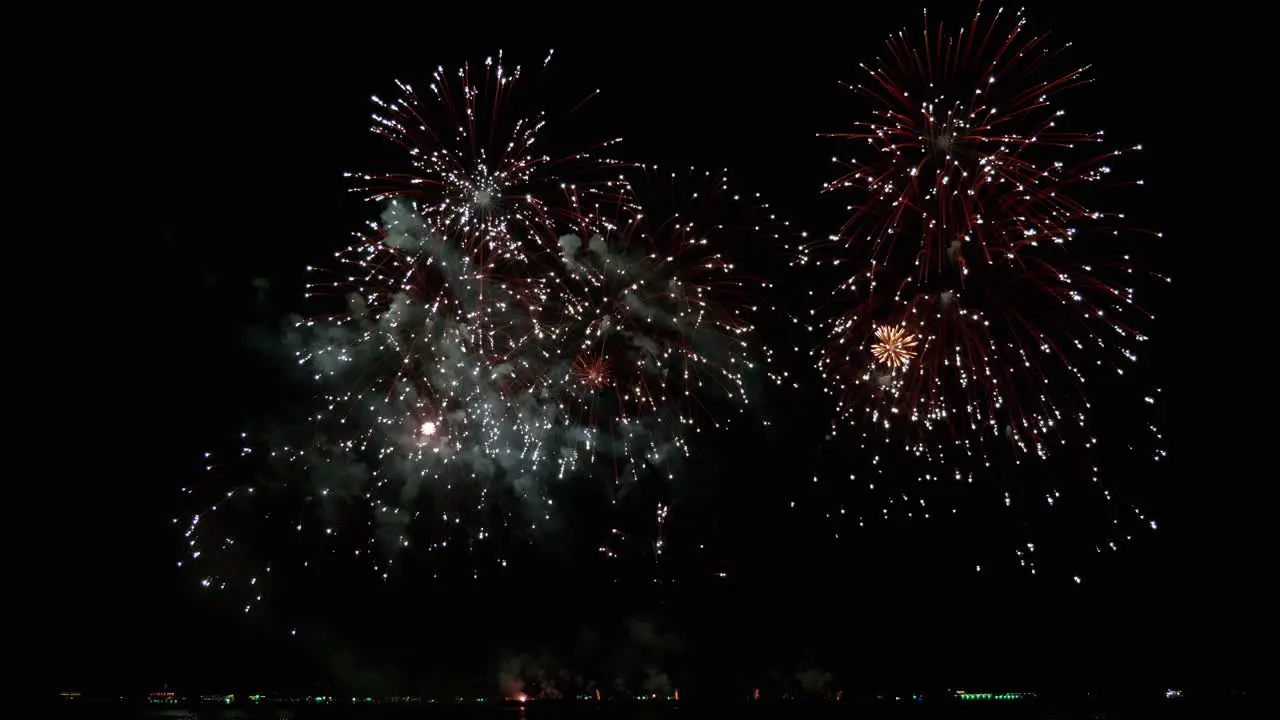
167, 159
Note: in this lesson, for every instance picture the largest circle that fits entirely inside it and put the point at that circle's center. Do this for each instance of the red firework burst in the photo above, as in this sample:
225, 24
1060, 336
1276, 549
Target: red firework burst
655, 314
592, 371
478, 175
970, 233
970, 161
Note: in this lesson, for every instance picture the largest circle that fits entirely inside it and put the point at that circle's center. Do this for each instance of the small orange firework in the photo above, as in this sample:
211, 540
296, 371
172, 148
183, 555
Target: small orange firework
894, 347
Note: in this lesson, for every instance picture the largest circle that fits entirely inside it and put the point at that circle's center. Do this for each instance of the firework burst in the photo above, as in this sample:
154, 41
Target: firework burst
976, 236
499, 332
430, 423
648, 327
477, 171
894, 346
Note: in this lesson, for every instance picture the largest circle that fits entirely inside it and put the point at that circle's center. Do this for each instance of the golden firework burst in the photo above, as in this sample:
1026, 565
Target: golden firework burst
894, 346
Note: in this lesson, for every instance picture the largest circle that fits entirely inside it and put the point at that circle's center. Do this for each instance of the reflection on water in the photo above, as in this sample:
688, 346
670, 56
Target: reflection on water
219, 713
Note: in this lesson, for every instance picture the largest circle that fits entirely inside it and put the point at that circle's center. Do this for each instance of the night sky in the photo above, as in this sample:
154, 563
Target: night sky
169, 161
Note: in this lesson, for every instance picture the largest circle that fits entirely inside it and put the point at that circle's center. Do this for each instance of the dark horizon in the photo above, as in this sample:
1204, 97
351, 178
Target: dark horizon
172, 172
933, 696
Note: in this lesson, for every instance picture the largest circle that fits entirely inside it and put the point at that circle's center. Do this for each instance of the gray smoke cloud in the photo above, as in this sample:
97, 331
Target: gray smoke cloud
411, 402
638, 658
446, 395
814, 681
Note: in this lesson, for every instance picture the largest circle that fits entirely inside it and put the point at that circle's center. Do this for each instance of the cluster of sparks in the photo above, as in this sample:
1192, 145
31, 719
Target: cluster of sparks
499, 330
978, 308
